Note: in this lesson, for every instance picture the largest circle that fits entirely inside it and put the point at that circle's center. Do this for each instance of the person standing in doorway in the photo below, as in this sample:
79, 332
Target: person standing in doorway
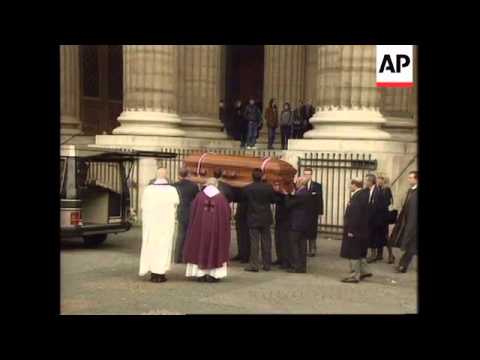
239, 124
404, 234
309, 112
187, 190
315, 189
286, 119
271, 115
355, 233
253, 117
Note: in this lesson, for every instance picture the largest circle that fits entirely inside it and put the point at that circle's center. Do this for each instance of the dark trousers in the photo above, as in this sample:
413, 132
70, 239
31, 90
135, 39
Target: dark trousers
406, 259
243, 136
285, 135
298, 250
181, 234
260, 235
271, 137
243, 240
281, 243
297, 133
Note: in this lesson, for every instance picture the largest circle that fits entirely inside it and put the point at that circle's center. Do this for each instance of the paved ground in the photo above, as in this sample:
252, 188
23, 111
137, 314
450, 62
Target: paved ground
105, 281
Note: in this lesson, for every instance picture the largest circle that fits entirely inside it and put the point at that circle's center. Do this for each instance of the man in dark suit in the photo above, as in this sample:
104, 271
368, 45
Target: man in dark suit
187, 190
315, 189
355, 233
404, 234
223, 187
377, 217
299, 205
258, 196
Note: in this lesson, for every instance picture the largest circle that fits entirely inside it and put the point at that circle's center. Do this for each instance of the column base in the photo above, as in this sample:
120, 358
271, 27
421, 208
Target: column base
347, 124
156, 143
401, 129
202, 127
70, 125
149, 123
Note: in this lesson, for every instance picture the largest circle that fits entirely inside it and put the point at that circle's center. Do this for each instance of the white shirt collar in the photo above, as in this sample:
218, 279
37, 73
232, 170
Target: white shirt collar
211, 191
161, 181
414, 186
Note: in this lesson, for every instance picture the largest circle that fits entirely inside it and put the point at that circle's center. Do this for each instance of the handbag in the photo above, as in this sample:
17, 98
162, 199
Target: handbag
392, 216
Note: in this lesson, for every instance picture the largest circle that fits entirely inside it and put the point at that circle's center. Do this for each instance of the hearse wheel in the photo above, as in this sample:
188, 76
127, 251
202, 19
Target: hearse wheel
94, 240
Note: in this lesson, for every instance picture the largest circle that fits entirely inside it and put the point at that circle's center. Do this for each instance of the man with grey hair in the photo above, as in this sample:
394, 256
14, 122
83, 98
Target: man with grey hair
159, 207
207, 245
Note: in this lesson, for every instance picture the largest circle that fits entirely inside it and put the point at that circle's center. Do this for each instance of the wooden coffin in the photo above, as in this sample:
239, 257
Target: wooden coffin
238, 169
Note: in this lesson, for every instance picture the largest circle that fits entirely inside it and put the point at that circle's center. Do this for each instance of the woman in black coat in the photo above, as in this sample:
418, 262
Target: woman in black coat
355, 237
388, 196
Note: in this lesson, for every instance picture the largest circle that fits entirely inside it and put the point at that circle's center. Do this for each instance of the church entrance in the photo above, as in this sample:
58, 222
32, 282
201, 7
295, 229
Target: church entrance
101, 79
244, 70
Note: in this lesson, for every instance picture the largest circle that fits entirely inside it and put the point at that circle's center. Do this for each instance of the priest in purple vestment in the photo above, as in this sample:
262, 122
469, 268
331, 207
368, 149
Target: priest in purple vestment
207, 244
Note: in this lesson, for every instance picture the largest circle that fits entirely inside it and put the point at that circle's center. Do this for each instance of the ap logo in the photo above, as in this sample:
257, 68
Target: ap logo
395, 65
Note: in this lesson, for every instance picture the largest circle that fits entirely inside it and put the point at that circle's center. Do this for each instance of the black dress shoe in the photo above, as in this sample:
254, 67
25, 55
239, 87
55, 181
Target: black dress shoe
251, 269
363, 276
202, 279
401, 270
291, 270
371, 260
277, 262
236, 258
162, 278
211, 279
266, 268
350, 280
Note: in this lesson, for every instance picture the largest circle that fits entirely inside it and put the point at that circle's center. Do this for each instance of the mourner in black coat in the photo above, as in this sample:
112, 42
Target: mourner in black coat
187, 190
377, 219
355, 233
259, 196
315, 189
404, 234
388, 195
300, 207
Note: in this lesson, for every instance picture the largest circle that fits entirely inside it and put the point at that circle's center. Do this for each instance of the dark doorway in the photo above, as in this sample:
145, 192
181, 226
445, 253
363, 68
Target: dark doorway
101, 87
244, 73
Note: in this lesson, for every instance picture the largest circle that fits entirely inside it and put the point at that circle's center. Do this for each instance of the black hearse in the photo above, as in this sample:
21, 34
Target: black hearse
94, 191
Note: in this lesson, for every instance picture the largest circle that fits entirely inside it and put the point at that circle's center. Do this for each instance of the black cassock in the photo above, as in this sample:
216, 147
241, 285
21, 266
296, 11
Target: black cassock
317, 206
356, 222
377, 218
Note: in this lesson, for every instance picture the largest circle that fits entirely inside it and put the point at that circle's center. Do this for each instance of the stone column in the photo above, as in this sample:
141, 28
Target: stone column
70, 90
311, 68
347, 96
284, 75
150, 91
199, 77
398, 105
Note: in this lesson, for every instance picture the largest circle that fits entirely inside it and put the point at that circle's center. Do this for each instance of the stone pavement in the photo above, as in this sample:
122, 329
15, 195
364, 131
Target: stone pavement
105, 280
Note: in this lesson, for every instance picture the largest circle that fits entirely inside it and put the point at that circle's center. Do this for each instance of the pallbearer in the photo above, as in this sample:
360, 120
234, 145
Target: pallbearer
159, 207
206, 250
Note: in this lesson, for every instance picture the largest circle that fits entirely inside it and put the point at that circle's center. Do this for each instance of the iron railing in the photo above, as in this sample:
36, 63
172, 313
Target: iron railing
335, 171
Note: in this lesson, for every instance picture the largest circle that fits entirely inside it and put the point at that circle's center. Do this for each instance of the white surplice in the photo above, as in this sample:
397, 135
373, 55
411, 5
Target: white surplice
193, 270
159, 206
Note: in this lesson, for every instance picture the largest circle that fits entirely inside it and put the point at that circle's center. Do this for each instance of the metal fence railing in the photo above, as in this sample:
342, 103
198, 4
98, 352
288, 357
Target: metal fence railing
334, 171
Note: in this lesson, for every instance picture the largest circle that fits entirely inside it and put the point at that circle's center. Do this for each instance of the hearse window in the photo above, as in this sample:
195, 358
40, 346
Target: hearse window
63, 176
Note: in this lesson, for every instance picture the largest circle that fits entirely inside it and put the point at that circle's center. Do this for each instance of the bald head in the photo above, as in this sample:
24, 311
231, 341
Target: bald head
162, 173
211, 181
